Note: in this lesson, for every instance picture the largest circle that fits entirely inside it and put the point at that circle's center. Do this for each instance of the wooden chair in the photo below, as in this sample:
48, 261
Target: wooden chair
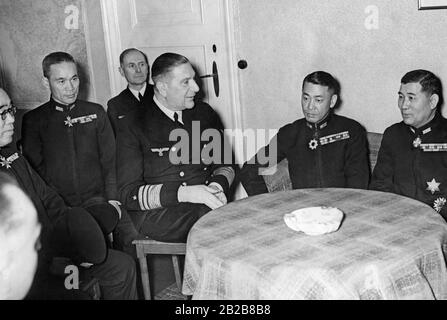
148, 246
280, 180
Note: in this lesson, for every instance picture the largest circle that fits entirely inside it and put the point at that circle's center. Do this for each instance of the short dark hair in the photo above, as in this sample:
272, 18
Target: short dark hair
429, 82
55, 58
128, 50
323, 78
7, 222
165, 63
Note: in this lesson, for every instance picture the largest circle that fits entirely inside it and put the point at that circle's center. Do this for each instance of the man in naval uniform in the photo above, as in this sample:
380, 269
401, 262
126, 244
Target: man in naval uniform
134, 67
66, 231
323, 149
167, 184
412, 159
70, 143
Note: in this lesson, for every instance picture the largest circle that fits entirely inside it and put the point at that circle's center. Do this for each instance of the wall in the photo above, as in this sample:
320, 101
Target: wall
284, 40
29, 30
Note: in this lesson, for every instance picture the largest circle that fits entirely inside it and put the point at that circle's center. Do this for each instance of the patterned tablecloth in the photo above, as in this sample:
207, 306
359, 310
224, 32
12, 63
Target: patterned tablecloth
387, 247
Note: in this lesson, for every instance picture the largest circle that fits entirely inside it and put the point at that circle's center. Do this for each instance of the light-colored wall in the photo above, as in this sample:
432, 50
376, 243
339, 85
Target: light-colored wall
284, 40
29, 30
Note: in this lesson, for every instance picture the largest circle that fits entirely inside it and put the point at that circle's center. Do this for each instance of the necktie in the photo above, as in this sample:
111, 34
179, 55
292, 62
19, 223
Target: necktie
176, 119
140, 96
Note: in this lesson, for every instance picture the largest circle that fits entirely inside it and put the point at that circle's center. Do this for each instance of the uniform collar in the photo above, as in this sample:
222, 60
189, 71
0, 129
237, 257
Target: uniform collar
62, 107
320, 125
427, 127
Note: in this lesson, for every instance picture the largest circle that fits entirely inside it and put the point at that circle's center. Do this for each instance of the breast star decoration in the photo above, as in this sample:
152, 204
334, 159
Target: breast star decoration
439, 203
433, 186
313, 144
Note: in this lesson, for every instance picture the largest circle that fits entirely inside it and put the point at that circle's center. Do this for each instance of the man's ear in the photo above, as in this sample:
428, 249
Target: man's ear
121, 71
161, 87
434, 99
334, 99
46, 82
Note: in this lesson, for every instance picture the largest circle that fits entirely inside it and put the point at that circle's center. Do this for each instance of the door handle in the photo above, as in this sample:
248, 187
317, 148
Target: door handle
215, 76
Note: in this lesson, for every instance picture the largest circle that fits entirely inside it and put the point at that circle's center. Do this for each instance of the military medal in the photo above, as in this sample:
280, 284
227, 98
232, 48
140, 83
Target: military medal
6, 162
313, 144
68, 122
417, 142
433, 186
439, 203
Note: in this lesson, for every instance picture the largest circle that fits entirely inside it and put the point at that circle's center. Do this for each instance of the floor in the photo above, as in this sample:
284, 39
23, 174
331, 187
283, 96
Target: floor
161, 275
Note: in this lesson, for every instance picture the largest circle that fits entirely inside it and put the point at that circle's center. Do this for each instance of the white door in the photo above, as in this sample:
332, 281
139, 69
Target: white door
196, 29
201, 30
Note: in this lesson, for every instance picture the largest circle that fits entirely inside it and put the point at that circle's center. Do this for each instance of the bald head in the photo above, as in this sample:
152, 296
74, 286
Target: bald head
19, 232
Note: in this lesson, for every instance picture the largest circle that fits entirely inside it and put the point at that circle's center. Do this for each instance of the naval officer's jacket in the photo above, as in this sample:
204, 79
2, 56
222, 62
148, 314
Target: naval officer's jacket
118, 107
149, 173
413, 162
73, 149
331, 153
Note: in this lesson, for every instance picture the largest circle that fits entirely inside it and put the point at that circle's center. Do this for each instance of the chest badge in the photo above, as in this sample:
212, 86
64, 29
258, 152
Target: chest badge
439, 203
313, 144
6, 162
433, 186
160, 151
68, 122
417, 142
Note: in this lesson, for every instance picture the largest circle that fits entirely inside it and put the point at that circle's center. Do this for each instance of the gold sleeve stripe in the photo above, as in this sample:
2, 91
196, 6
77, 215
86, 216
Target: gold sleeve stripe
154, 196
149, 196
227, 172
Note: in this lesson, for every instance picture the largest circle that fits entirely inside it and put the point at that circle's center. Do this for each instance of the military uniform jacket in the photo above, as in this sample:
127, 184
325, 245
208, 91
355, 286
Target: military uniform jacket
147, 178
413, 162
332, 153
72, 149
49, 205
118, 107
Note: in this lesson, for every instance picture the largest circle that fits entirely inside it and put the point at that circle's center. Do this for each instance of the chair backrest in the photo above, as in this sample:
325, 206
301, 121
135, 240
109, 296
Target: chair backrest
277, 178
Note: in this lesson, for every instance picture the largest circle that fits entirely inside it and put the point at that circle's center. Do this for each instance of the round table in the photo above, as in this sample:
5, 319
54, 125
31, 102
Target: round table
387, 247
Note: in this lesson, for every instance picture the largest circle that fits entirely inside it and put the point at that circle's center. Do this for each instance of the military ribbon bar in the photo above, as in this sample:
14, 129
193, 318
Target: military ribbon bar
334, 137
84, 119
433, 147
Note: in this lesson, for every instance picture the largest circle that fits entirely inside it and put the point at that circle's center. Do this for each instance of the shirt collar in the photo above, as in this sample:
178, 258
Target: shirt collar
168, 112
135, 92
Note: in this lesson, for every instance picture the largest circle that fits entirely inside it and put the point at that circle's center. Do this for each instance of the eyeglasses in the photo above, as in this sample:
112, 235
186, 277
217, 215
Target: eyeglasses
11, 110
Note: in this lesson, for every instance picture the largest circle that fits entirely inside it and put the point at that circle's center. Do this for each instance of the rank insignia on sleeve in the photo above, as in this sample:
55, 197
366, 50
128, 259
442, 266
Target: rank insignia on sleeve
439, 203
6, 162
313, 144
160, 151
433, 186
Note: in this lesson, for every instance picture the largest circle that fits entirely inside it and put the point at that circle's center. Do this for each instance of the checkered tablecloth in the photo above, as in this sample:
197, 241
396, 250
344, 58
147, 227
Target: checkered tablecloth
387, 247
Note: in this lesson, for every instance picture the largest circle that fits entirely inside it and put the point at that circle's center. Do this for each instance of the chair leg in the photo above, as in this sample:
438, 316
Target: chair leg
178, 276
145, 278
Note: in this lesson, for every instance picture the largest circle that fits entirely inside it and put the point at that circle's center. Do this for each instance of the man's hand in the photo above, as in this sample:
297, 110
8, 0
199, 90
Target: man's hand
116, 204
209, 196
220, 195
